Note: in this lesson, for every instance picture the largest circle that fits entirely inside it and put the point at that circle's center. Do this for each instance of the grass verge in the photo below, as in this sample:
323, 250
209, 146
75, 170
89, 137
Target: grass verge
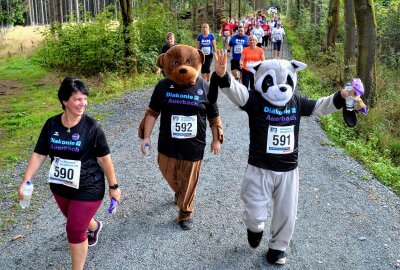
361, 142
29, 97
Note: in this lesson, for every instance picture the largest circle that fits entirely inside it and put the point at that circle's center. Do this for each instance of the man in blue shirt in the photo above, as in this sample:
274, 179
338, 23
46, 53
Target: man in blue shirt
236, 44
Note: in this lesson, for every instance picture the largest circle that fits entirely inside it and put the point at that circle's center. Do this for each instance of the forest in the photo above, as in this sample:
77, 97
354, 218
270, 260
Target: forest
114, 44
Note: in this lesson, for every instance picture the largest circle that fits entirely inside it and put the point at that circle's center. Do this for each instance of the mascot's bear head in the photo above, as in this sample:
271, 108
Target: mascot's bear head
276, 79
181, 64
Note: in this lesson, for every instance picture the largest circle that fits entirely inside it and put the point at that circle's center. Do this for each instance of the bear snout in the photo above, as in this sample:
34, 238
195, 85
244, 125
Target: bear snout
283, 88
183, 71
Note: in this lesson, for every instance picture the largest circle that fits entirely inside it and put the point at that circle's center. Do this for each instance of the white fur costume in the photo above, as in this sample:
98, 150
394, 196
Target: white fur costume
274, 118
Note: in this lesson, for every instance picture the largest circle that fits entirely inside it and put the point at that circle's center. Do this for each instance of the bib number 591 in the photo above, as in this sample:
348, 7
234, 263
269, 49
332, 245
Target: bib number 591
281, 140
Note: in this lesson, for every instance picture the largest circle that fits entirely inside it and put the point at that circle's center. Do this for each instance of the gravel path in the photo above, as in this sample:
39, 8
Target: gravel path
344, 221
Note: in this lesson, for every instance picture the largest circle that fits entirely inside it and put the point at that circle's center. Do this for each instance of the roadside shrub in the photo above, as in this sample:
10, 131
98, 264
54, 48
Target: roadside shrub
84, 48
152, 22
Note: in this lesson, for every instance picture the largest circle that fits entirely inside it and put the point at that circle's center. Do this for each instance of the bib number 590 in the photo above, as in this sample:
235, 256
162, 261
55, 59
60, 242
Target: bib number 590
64, 173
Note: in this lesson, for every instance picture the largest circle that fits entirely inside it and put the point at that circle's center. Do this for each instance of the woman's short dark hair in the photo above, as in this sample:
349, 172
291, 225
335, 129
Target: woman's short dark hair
71, 86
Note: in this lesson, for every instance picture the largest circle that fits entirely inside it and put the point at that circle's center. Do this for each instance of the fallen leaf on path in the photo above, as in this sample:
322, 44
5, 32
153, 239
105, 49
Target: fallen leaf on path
18, 236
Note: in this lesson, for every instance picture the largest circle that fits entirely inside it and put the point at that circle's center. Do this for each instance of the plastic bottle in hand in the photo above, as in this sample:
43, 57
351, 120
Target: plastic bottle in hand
113, 206
27, 190
147, 153
349, 99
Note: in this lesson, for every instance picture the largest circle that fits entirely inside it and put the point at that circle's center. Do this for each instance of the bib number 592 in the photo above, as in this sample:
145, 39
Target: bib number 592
183, 127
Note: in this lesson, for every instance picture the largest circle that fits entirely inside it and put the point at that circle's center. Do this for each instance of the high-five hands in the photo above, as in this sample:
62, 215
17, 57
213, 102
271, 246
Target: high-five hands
220, 58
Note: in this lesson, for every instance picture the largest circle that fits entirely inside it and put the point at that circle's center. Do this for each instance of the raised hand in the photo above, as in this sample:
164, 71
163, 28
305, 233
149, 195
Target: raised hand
220, 58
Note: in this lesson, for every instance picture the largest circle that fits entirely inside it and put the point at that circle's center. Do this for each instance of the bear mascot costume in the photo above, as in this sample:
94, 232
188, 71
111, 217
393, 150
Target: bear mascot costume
184, 103
274, 111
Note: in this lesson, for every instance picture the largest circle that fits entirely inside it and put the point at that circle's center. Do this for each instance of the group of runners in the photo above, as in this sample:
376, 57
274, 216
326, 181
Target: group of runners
245, 40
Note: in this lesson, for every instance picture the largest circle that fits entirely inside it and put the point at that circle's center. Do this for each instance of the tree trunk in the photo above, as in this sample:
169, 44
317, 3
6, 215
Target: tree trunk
59, 11
31, 22
313, 13
333, 24
194, 16
77, 10
366, 33
127, 19
349, 39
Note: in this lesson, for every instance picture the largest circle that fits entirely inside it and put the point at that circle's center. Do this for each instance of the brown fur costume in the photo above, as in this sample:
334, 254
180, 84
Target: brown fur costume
182, 64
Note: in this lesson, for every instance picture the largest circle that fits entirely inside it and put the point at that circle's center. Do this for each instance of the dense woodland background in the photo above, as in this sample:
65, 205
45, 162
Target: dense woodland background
117, 40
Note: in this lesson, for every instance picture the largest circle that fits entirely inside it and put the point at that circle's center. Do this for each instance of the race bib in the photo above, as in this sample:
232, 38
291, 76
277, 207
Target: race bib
238, 49
65, 172
206, 50
183, 127
227, 33
280, 140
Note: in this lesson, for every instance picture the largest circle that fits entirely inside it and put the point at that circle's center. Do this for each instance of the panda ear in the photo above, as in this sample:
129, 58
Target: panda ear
253, 67
297, 65
256, 67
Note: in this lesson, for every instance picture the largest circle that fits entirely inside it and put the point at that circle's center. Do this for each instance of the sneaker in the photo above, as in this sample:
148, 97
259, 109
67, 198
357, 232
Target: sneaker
93, 236
254, 238
276, 256
186, 224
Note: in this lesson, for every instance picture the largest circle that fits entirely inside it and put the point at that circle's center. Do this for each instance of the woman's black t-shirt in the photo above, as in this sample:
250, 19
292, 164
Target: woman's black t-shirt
84, 142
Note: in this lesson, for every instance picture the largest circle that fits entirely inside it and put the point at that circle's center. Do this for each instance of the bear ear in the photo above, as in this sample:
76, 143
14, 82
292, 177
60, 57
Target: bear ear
202, 57
297, 65
160, 59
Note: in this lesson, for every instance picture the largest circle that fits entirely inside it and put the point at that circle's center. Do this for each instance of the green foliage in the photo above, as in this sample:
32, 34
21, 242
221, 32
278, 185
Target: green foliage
375, 141
23, 111
83, 48
13, 12
388, 25
98, 46
152, 22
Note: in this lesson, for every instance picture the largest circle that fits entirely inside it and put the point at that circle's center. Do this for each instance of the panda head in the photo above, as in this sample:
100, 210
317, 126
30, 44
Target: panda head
276, 79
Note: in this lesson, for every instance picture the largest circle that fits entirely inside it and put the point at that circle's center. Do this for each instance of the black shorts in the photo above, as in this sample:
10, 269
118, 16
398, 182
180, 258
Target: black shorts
235, 64
205, 68
277, 45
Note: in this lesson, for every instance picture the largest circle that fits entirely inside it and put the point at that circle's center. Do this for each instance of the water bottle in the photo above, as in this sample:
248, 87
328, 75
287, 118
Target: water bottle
147, 150
113, 206
349, 99
27, 190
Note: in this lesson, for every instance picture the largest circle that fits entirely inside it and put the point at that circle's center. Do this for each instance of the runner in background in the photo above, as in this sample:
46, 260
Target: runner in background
259, 33
170, 39
226, 32
237, 44
250, 54
207, 44
277, 39
267, 35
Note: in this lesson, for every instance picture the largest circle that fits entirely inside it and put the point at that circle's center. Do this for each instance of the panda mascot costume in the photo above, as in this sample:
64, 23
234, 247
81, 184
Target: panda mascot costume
274, 111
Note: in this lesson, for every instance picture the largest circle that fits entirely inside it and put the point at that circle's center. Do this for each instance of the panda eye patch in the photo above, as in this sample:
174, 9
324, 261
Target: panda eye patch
269, 81
289, 81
